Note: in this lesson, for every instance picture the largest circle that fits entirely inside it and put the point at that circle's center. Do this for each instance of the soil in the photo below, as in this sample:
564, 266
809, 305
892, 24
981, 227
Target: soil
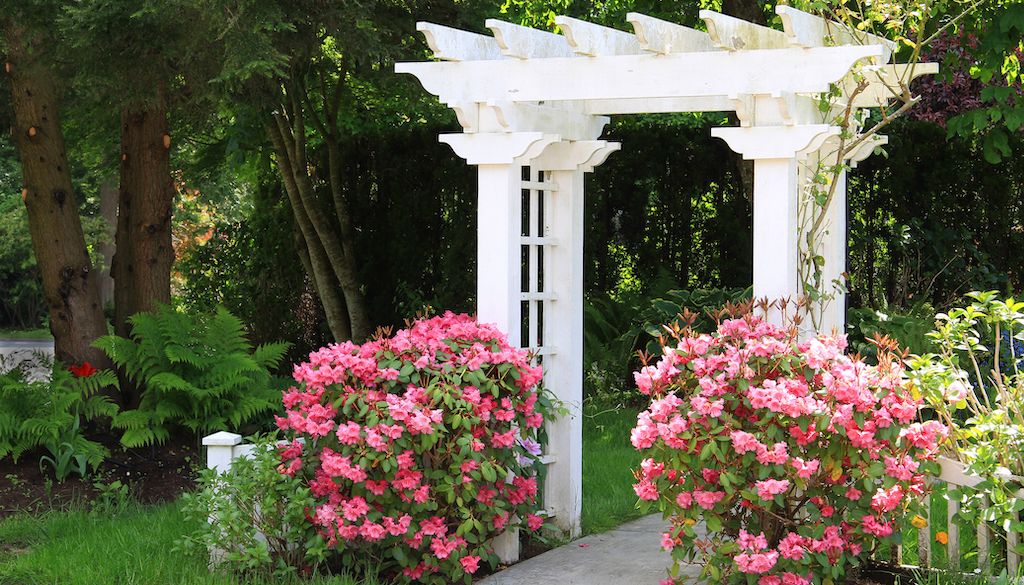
153, 475
875, 573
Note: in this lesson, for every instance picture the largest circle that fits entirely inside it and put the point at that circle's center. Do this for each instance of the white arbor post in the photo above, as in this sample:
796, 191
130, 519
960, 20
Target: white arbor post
776, 152
530, 221
566, 162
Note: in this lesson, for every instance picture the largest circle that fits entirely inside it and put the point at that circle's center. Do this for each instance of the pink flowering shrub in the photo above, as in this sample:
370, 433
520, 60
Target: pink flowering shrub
408, 444
798, 459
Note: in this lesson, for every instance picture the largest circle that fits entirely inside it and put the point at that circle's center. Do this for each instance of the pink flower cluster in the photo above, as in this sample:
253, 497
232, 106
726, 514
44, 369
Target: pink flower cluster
406, 437
744, 418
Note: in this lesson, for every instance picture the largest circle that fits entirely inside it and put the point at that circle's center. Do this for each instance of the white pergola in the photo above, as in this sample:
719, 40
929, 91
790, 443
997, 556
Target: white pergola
533, 104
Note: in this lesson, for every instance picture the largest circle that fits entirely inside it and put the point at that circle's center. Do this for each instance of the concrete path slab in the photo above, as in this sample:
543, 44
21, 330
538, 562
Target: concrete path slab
629, 554
13, 351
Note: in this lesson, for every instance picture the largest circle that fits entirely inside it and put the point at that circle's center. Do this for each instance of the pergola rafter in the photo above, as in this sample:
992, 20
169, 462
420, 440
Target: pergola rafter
532, 105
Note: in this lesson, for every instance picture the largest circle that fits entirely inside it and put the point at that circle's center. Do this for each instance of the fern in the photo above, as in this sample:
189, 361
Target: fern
38, 413
197, 372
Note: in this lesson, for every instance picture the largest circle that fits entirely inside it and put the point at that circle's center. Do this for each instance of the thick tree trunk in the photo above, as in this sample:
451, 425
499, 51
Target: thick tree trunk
143, 250
144, 254
69, 282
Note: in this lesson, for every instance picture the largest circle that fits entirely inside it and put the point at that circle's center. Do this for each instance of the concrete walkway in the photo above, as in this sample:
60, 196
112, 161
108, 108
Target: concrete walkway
629, 554
13, 351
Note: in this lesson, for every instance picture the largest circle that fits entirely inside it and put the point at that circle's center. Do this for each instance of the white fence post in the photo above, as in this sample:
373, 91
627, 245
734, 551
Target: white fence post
220, 450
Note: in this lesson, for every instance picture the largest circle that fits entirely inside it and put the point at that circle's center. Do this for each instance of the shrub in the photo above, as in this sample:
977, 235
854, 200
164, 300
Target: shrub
418, 447
48, 413
798, 458
616, 329
975, 384
253, 517
197, 371
910, 329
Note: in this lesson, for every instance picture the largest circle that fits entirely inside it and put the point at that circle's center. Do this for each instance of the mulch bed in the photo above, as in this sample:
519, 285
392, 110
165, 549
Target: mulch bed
153, 475
877, 573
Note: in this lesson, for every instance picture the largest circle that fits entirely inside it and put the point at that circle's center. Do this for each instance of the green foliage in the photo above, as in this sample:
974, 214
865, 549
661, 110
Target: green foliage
229, 269
37, 413
131, 546
933, 221
197, 371
63, 457
997, 29
615, 329
667, 311
974, 382
910, 330
253, 499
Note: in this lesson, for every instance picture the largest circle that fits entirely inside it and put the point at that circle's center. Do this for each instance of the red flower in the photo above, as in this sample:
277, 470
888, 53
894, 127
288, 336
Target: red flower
83, 371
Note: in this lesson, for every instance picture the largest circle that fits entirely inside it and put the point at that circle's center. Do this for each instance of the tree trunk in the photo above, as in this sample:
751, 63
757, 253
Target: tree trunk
144, 254
330, 251
69, 282
108, 210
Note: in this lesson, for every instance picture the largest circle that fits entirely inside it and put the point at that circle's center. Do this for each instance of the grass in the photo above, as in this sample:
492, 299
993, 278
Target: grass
608, 461
138, 545
134, 547
41, 334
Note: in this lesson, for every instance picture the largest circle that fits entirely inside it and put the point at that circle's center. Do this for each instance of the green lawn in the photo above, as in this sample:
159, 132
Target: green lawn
135, 547
608, 461
138, 545
42, 334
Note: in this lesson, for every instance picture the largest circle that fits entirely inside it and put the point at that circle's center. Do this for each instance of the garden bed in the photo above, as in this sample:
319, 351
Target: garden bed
150, 477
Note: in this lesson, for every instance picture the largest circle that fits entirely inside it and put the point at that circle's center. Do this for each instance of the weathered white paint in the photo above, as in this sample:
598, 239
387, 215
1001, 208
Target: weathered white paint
638, 76
810, 30
734, 34
522, 42
662, 37
593, 40
452, 44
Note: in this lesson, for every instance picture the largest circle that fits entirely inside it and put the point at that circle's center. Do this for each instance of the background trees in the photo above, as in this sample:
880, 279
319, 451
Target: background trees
270, 152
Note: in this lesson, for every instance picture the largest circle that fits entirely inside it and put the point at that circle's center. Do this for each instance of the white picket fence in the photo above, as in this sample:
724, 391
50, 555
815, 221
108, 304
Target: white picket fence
222, 448
954, 475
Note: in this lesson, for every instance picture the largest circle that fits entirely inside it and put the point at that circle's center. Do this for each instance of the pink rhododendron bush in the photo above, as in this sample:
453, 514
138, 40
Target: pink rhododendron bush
408, 441
798, 459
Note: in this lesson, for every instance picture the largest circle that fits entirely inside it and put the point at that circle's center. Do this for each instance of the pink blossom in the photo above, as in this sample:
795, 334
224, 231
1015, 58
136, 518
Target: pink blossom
769, 488
348, 433
534, 522
743, 442
886, 500
756, 563
792, 546
750, 542
902, 469
778, 454
684, 500
804, 469
707, 500
645, 490
871, 525
667, 542
470, 563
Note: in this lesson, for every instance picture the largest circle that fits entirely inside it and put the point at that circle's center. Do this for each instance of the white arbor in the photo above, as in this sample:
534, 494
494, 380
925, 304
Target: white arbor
533, 104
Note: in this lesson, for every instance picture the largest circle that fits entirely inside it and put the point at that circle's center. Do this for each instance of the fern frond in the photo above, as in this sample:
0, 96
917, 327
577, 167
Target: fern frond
269, 355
